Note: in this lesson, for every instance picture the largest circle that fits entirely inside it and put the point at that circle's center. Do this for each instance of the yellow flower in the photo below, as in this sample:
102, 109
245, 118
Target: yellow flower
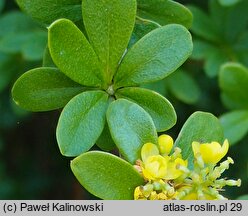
148, 150
165, 143
155, 167
172, 168
212, 152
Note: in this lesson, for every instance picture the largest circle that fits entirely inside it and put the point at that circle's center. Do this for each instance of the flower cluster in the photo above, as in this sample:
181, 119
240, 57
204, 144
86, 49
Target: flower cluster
168, 176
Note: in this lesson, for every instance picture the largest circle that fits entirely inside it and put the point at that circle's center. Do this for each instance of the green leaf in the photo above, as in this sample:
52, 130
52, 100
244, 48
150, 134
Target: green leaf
158, 86
202, 49
164, 12
183, 87
44, 89
47, 11
229, 21
155, 56
214, 61
81, 122
228, 2
34, 48
105, 141
200, 127
109, 25
233, 81
30, 44
140, 30
202, 25
130, 127
16, 22
73, 54
106, 176
235, 125
158, 107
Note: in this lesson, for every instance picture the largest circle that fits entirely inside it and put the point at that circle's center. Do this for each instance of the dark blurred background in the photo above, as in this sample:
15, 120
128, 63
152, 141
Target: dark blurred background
31, 166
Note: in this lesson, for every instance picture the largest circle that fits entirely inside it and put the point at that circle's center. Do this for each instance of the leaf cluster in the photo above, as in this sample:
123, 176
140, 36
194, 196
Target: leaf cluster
221, 35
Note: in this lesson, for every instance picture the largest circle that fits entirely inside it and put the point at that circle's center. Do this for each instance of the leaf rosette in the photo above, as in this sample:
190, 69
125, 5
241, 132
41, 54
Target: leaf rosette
96, 79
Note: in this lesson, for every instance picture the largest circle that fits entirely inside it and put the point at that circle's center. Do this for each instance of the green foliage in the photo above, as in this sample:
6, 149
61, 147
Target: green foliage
47, 11
233, 80
231, 75
109, 27
235, 125
106, 176
73, 54
131, 127
164, 12
30, 44
228, 2
158, 107
176, 86
43, 89
100, 58
19, 34
84, 60
169, 45
200, 127
221, 35
16, 22
183, 87
81, 122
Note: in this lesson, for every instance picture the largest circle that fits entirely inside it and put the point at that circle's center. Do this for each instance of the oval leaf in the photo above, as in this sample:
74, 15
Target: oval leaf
228, 2
200, 127
73, 54
202, 25
233, 82
183, 87
16, 22
158, 107
47, 11
44, 89
109, 25
130, 127
81, 122
155, 56
164, 12
106, 176
235, 125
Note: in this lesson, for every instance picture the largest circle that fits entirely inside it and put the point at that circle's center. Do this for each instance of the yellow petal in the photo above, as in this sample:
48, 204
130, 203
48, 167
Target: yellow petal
172, 171
213, 152
165, 143
148, 149
155, 167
